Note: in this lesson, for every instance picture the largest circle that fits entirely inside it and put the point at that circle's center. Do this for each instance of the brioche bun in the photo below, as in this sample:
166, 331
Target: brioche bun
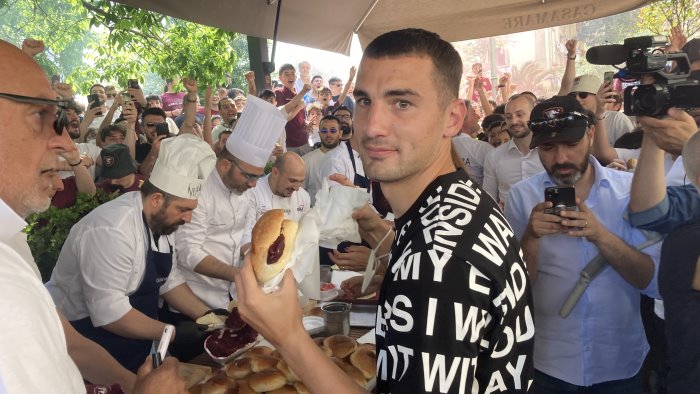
365, 359
272, 230
341, 345
267, 380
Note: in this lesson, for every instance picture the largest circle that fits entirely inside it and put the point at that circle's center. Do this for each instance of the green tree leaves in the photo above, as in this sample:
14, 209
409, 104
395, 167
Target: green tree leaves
92, 41
660, 16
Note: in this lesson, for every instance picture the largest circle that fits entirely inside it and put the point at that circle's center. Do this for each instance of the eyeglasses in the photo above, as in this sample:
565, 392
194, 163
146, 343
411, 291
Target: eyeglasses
60, 119
248, 176
561, 120
154, 124
324, 131
581, 95
343, 116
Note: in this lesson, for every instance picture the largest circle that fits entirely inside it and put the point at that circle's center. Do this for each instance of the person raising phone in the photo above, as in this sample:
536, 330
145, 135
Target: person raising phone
577, 350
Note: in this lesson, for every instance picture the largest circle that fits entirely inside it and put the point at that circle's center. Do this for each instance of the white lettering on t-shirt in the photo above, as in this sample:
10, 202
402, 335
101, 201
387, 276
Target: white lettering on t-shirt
516, 371
475, 322
496, 383
446, 378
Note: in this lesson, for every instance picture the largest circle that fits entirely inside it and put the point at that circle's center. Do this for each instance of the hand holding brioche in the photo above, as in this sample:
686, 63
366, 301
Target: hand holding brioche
272, 244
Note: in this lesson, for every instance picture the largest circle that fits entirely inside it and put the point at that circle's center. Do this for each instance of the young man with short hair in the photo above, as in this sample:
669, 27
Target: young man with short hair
456, 295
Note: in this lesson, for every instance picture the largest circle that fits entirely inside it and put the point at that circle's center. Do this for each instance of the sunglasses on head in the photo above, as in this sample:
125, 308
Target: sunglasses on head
581, 95
565, 119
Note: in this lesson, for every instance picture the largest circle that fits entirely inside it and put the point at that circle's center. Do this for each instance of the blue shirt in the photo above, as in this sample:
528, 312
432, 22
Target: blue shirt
603, 337
681, 205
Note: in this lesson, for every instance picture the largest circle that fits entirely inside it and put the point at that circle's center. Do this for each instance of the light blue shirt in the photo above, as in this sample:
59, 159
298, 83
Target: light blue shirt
603, 337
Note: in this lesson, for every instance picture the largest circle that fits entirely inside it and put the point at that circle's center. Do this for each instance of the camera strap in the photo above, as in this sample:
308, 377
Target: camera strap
594, 267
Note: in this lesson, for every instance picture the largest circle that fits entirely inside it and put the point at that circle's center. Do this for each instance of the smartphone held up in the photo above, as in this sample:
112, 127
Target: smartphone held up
563, 198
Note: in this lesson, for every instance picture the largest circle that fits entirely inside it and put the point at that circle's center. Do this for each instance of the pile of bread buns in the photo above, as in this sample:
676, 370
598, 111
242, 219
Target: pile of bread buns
262, 370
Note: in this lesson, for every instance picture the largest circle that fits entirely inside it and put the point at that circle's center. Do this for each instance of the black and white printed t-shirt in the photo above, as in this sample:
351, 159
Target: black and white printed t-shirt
455, 308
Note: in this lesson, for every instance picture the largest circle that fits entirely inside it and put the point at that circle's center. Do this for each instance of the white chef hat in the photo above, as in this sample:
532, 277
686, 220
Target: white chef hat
256, 132
184, 163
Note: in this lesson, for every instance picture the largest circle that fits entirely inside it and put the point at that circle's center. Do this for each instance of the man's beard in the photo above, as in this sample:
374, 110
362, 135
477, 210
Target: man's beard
569, 180
74, 133
330, 146
159, 224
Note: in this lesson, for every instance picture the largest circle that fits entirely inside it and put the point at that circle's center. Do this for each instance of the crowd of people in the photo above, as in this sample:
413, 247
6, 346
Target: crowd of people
484, 285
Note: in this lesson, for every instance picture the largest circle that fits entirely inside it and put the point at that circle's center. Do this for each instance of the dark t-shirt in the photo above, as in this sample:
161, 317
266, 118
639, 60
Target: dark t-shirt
295, 128
109, 188
68, 196
679, 256
455, 308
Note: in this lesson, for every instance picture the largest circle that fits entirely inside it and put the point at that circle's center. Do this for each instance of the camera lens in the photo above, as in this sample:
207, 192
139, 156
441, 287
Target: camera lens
650, 100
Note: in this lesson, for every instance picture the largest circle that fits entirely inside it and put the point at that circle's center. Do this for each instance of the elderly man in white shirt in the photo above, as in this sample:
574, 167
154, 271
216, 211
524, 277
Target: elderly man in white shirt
281, 189
513, 161
209, 246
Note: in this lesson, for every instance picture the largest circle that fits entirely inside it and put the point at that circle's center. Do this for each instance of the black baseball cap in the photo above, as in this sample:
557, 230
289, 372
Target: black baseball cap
116, 161
559, 119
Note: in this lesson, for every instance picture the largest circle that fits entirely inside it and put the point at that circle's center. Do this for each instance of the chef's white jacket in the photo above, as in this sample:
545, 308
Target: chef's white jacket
261, 200
103, 261
217, 228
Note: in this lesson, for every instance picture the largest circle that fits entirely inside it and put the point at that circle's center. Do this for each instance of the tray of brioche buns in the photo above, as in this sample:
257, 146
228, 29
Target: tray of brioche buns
262, 370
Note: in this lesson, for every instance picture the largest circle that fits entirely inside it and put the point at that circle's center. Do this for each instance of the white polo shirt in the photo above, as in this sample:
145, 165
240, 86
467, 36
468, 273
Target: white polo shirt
505, 166
473, 154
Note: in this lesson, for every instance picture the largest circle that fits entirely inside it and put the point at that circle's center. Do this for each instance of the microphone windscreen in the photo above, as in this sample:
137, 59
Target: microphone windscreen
607, 54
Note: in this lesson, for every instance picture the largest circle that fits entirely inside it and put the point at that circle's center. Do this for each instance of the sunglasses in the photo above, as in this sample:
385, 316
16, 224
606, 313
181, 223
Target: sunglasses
60, 118
248, 176
561, 120
581, 95
324, 131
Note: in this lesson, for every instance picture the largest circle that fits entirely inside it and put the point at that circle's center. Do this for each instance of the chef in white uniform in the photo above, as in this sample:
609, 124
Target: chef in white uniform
281, 189
118, 260
208, 247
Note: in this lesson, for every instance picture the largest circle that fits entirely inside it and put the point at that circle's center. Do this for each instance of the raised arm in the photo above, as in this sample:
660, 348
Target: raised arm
190, 106
649, 184
129, 112
483, 98
504, 88
567, 80
346, 88
601, 146
250, 81
206, 129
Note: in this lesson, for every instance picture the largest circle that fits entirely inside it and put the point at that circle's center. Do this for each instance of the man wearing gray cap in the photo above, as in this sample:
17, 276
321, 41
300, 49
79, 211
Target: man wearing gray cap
208, 247
600, 343
117, 262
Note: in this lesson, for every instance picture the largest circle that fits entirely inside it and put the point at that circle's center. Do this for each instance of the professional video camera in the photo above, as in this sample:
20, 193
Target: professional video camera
672, 86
